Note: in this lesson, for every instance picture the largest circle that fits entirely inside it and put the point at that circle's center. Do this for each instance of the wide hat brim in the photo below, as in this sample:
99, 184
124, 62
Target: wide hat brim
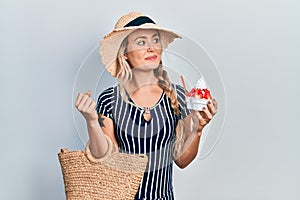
110, 44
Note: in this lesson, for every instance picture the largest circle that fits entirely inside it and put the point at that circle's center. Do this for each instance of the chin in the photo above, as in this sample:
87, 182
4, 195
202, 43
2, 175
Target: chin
147, 67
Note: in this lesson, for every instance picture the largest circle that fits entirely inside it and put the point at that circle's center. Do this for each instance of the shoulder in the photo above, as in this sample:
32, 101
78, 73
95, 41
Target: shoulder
105, 101
107, 96
107, 93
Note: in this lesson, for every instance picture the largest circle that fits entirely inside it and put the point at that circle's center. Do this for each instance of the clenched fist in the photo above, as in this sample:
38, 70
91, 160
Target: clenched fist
86, 106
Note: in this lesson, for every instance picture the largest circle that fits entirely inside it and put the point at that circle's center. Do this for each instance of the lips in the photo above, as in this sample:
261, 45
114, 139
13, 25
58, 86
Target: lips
151, 57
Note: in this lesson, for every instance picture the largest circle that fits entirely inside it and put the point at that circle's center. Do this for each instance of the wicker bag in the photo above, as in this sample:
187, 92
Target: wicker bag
115, 176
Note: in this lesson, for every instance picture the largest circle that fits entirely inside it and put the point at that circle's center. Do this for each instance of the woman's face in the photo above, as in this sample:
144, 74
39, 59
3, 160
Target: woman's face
144, 49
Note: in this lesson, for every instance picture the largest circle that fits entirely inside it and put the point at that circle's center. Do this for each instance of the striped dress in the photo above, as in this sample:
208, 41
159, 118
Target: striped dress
154, 138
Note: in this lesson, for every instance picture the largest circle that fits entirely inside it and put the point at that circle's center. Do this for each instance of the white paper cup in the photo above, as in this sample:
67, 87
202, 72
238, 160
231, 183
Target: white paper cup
195, 103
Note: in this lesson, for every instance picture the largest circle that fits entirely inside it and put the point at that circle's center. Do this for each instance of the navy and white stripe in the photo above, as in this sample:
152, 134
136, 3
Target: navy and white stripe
154, 138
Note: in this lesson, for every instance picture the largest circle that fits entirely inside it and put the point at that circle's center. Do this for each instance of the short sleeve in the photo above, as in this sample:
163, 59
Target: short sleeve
184, 111
105, 103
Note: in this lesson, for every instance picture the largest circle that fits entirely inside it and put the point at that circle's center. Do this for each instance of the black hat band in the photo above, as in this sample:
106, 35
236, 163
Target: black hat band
139, 21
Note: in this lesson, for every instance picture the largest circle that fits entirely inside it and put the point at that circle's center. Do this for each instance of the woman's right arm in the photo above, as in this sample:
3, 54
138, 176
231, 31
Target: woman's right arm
98, 142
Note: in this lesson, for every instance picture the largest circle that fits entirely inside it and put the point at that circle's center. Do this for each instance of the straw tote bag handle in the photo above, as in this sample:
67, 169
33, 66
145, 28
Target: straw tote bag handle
111, 149
114, 176
120, 161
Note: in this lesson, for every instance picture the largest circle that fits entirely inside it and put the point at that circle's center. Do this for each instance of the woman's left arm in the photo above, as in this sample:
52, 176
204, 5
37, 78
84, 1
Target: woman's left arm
193, 134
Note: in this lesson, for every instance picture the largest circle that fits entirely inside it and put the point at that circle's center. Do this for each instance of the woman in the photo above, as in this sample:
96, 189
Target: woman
145, 113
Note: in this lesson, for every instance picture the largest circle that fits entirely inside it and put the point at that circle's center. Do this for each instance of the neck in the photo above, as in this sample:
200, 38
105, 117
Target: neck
141, 80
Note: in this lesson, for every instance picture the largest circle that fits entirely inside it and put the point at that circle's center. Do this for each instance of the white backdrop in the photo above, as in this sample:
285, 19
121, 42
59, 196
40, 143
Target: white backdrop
255, 45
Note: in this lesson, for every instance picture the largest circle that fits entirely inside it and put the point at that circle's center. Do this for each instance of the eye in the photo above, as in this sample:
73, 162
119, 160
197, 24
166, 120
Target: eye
141, 43
156, 40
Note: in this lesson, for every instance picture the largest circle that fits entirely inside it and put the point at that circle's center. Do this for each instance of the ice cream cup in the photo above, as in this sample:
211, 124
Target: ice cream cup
196, 103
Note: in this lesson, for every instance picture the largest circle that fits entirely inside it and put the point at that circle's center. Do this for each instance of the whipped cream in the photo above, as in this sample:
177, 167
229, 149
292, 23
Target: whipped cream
201, 84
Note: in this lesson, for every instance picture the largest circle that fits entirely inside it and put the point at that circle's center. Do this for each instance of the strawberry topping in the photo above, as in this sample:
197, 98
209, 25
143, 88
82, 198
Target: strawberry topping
199, 93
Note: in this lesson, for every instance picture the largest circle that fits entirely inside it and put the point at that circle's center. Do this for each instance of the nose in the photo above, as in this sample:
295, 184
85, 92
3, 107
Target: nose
150, 47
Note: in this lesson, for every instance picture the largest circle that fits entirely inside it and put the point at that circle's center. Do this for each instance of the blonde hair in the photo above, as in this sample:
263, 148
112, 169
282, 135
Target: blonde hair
124, 72
124, 75
166, 85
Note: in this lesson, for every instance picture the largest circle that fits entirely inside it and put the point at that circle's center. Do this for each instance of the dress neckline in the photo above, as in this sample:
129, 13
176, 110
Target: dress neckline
131, 101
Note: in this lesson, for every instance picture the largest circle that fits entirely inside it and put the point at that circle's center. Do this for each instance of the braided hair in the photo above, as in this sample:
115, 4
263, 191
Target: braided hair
165, 83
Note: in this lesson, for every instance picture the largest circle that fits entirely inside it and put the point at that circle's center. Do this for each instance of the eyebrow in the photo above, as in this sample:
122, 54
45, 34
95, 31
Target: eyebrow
144, 37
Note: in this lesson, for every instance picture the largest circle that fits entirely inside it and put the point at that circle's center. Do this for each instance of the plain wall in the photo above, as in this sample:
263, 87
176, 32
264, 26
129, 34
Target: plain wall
255, 45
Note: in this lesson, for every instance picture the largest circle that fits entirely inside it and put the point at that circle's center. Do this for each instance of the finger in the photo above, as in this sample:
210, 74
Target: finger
78, 100
211, 107
87, 104
82, 102
215, 103
89, 101
92, 106
208, 115
89, 93
199, 116
203, 115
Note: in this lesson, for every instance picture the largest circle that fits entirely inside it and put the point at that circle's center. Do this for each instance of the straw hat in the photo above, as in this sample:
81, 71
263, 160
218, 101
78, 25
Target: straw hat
110, 44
